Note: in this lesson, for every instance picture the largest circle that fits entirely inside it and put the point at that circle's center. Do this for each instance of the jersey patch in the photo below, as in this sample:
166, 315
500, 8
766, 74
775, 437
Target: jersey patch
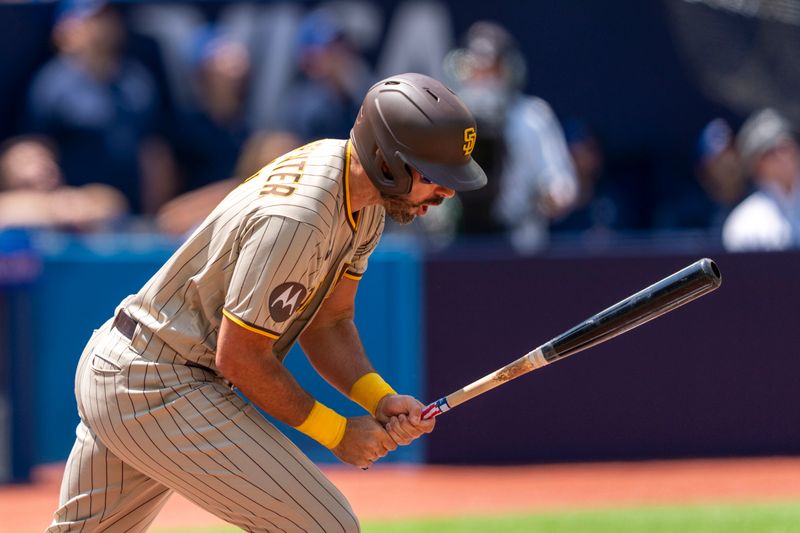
285, 300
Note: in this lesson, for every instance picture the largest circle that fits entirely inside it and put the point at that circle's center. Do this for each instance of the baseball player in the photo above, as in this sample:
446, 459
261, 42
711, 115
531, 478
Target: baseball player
277, 261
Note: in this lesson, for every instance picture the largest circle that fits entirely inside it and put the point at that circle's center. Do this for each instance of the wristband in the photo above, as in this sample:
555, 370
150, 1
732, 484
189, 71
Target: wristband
324, 425
369, 390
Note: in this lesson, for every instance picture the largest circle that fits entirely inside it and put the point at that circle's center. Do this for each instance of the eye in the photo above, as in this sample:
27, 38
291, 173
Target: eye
425, 180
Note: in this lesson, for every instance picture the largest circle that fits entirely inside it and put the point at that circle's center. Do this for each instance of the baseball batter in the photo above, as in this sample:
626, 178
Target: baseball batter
277, 261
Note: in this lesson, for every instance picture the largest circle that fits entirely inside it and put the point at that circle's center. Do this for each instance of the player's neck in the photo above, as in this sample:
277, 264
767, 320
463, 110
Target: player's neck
362, 191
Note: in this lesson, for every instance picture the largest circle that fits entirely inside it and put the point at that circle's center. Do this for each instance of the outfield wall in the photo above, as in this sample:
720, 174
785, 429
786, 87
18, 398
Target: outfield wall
715, 378
81, 282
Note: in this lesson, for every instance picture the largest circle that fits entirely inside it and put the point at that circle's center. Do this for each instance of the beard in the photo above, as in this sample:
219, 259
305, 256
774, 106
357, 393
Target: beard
402, 211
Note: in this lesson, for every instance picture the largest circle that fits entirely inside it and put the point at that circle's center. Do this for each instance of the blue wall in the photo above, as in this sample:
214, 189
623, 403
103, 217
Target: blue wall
83, 281
80, 285
19, 267
715, 378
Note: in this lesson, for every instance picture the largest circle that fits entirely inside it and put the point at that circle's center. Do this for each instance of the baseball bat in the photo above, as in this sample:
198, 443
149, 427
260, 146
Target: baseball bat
690, 283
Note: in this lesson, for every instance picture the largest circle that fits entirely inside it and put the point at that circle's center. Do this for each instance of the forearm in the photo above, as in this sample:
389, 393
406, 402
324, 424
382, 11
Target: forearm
336, 352
271, 387
334, 348
247, 360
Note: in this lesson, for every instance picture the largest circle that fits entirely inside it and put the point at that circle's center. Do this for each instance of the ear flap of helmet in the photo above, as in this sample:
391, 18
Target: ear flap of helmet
399, 173
390, 176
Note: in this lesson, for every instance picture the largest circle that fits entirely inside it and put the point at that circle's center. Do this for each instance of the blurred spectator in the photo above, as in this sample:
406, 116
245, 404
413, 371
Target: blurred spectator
603, 206
324, 99
520, 142
768, 219
183, 213
720, 172
209, 135
100, 108
33, 195
720, 184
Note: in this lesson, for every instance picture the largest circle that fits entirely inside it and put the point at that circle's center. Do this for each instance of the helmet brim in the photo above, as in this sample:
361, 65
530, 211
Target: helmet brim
460, 178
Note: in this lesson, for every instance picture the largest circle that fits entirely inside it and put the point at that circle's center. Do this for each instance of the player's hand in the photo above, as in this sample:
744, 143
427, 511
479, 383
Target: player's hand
402, 417
364, 442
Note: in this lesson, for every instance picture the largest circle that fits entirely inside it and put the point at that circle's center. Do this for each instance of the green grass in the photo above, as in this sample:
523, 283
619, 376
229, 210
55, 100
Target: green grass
749, 518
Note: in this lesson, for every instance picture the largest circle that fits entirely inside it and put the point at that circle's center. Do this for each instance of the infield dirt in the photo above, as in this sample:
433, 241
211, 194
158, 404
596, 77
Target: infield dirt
438, 491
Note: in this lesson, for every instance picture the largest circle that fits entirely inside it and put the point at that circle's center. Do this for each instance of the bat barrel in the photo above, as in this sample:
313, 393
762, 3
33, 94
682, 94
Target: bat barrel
690, 283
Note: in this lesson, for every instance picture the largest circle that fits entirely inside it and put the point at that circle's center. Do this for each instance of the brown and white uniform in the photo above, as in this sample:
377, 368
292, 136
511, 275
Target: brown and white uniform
157, 416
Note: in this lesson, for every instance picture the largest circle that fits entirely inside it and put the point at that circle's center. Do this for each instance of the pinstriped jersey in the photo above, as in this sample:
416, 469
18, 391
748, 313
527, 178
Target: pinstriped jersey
266, 258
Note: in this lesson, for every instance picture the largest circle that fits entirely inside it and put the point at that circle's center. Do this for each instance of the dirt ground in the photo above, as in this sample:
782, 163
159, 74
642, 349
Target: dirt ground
385, 492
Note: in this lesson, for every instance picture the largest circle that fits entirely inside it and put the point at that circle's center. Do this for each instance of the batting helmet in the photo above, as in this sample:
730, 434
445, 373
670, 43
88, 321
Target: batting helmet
413, 121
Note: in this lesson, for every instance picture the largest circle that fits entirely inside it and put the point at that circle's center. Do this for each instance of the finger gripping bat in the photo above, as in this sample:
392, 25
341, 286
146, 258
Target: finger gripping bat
690, 283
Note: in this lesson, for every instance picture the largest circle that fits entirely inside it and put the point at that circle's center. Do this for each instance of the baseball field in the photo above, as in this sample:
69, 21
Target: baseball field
773, 518
721, 495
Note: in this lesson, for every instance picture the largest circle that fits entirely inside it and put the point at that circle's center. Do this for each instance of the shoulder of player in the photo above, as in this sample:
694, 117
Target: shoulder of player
372, 216
293, 219
322, 157
259, 225
305, 184
371, 226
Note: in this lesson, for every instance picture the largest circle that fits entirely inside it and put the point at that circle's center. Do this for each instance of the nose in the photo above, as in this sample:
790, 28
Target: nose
444, 191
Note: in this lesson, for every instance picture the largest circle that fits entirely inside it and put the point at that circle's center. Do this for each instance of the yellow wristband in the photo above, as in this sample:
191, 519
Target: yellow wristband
324, 425
369, 390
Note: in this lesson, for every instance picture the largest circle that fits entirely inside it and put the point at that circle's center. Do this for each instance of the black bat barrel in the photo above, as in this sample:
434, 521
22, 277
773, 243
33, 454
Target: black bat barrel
697, 279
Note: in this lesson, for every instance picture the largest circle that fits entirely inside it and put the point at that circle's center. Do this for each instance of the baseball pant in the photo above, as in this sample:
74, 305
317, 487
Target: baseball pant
150, 428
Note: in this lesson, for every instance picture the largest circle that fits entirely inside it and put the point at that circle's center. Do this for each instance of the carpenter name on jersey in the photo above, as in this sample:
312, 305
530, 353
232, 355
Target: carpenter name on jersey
266, 258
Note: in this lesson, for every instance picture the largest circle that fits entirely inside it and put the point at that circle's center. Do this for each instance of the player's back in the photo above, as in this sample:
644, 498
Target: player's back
182, 303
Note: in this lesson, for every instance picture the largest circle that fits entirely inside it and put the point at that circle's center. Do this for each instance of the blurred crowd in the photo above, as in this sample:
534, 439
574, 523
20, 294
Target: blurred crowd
146, 116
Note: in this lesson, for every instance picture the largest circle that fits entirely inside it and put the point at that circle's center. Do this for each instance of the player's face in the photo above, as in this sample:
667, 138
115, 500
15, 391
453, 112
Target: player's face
424, 193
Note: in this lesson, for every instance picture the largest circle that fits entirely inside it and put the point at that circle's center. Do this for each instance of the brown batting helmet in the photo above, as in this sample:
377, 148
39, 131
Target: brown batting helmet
414, 121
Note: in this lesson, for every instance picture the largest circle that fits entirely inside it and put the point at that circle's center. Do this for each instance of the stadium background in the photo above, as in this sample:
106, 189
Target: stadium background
714, 380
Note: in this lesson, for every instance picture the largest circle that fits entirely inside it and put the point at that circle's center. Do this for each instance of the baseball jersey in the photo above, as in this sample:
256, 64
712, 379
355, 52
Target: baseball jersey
266, 258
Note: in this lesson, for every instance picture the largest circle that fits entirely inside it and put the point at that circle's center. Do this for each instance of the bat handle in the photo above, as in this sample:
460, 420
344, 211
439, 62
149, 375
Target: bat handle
435, 409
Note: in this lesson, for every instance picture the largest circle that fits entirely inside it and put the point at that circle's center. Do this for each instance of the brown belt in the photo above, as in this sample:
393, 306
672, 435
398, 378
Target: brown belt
125, 324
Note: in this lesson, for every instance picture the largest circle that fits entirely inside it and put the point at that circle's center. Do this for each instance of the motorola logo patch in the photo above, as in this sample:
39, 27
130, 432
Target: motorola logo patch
285, 299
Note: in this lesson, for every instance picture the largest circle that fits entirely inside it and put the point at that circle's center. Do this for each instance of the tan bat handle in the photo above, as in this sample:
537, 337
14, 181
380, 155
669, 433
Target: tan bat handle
527, 363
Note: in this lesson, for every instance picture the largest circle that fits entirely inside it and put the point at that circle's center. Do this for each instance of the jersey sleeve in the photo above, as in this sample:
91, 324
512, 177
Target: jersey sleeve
277, 260
358, 266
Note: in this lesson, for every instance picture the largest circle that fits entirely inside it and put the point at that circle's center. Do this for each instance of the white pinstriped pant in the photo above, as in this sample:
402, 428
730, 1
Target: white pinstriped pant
148, 429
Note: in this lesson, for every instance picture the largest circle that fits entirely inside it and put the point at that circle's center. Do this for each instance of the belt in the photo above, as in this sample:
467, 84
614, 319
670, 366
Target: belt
125, 324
